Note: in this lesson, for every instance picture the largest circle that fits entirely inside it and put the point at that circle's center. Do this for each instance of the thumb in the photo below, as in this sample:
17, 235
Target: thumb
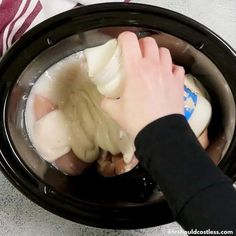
110, 106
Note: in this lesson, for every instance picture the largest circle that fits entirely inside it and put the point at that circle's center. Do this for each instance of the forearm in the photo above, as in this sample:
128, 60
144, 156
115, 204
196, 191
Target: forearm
170, 152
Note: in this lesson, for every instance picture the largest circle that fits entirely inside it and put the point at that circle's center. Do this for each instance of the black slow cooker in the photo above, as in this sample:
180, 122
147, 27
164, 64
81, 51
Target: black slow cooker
131, 200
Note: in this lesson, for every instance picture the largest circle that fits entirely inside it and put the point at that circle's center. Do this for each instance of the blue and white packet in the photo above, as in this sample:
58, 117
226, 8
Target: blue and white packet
190, 102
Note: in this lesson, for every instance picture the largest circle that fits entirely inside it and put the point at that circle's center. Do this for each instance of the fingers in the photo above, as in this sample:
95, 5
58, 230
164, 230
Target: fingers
149, 48
178, 71
165, 59
130, 47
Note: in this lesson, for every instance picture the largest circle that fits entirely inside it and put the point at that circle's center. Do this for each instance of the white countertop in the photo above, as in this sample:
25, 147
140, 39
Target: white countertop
19, 216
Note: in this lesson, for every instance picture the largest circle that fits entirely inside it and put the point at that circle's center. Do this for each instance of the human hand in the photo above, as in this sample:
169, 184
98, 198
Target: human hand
153, 87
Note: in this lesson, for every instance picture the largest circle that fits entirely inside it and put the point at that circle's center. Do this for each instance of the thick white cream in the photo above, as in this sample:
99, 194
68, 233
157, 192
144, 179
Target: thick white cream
78, 117
52, 136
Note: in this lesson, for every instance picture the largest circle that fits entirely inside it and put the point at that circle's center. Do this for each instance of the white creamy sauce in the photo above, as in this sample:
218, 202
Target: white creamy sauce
78, 117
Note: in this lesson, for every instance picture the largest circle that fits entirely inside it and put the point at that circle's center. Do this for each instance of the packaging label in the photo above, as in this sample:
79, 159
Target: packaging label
190, 101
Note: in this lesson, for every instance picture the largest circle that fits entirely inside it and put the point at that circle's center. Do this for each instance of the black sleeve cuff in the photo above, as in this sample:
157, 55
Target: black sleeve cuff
171, 153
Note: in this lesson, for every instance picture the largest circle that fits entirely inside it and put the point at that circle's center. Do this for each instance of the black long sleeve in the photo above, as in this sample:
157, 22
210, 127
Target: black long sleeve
200, 195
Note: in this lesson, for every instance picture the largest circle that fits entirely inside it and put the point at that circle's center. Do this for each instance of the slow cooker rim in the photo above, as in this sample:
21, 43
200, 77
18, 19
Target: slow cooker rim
87, 10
